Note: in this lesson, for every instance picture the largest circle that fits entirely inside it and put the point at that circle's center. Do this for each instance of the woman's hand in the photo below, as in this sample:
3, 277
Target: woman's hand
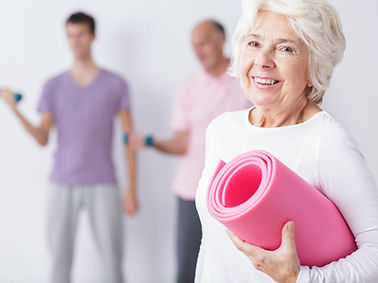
282, 264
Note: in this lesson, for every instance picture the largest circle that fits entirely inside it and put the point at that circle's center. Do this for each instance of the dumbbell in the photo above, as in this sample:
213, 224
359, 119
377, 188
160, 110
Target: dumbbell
17, 97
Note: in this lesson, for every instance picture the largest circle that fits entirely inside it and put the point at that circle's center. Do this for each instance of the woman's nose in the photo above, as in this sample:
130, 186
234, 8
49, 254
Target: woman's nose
264, 59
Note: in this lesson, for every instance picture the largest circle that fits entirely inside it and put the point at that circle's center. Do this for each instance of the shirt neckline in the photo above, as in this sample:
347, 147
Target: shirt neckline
303, 124
207, 76
93, 82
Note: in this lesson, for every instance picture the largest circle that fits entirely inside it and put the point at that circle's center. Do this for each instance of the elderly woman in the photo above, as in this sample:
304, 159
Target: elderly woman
284, 54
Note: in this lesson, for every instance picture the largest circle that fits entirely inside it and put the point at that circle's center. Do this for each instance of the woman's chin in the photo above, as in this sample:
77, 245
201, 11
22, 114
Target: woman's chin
262, 101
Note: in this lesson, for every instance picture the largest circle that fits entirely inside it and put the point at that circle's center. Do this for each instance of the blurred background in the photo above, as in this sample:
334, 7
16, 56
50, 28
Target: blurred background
148, 43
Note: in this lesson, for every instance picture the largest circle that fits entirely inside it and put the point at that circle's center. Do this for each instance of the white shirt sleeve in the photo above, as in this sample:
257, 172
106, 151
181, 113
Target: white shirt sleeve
345, 179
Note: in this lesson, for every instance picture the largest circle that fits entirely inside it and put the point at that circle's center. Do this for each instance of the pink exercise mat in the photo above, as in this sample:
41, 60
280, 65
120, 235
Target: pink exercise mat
255, 194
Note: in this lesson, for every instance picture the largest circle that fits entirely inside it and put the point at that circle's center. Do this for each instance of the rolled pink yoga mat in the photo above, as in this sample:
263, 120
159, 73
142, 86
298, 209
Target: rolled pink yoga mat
255, 194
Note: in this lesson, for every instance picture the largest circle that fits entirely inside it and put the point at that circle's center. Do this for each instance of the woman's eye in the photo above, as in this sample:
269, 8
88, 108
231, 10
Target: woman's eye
287, 49
253, 44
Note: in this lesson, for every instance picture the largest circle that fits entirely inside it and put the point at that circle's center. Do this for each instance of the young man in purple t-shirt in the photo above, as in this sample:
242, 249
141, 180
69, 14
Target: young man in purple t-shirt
81, 104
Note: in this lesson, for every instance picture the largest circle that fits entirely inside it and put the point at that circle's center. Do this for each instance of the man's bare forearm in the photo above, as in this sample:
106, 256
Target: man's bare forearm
40, 133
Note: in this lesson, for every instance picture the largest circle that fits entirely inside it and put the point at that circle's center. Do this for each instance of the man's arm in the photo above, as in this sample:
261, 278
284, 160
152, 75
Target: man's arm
130, 202
177, 145
41, 132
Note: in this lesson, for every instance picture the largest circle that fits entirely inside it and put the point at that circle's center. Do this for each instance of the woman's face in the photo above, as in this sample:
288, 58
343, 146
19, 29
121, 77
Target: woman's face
274, 62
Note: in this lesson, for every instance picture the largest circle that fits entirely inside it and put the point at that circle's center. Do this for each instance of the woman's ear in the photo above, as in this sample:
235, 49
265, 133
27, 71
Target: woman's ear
310, 84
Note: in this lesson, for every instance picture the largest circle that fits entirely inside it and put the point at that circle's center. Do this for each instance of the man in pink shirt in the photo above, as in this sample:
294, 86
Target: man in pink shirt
200, 98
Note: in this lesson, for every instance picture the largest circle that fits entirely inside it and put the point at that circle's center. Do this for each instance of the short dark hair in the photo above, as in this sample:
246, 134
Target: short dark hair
218, 27
82, 18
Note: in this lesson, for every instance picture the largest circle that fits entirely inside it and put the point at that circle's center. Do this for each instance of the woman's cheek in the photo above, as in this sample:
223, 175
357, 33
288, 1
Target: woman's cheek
246, 66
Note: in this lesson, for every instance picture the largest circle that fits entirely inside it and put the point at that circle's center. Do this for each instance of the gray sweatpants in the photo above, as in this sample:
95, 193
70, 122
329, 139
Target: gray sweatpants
105, 215
189, 234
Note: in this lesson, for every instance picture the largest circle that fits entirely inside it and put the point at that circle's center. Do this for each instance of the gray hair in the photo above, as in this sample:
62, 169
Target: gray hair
318, 25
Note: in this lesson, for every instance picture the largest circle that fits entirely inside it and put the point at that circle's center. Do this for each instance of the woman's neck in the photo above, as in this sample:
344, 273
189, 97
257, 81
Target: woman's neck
297, 113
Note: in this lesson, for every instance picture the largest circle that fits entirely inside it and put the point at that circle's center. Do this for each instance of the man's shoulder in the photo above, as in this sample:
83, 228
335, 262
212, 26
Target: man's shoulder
113, 76
191, 79
57, 78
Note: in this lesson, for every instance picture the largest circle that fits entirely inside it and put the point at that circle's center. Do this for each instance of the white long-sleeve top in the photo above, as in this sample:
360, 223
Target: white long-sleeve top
321, 151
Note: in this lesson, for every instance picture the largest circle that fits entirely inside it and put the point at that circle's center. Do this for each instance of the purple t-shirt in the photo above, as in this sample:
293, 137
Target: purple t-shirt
84, 117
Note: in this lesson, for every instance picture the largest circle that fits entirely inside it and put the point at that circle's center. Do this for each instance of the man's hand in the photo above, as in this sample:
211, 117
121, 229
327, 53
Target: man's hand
8, 97
136, 141
130, 201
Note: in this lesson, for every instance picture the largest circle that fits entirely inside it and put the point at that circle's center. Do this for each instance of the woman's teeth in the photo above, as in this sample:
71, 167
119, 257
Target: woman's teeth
265, 81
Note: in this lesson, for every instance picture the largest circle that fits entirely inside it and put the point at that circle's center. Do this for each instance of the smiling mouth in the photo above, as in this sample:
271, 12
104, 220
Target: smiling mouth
265, 81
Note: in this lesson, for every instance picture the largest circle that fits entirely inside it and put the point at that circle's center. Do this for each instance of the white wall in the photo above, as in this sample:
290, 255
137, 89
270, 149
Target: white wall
146, 41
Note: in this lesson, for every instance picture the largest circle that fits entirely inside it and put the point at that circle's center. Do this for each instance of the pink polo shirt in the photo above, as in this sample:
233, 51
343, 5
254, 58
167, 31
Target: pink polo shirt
199, 100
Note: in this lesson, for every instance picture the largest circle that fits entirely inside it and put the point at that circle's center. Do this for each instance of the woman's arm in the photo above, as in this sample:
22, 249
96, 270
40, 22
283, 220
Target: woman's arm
346, 180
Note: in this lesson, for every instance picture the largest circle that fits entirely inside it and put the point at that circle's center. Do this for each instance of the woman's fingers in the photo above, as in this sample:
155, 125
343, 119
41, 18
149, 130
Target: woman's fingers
237, 242
248, 249
288, 236
281, 264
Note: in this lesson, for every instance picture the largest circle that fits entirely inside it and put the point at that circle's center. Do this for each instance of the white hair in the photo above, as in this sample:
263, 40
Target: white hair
318, 25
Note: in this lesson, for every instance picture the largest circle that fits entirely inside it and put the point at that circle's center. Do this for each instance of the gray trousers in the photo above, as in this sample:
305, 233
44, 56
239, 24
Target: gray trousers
103, 205
189, 234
